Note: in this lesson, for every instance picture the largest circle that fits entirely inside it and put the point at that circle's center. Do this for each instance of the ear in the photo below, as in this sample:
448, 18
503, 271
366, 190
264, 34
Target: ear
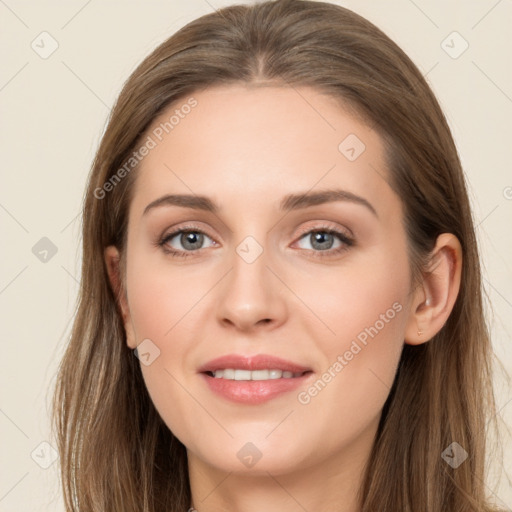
112, 260
433, 300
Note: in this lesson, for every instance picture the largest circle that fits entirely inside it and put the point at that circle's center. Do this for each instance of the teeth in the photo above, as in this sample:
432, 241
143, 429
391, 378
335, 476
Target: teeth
232, 374
275, 374
242, 375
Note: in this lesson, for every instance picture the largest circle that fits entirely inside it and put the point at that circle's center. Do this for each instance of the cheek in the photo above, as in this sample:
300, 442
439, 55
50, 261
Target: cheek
364, 300
164, 308
161, 298
366, 311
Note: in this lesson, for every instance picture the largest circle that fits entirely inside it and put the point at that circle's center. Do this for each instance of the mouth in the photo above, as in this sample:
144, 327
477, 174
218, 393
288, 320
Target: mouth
247, 375
253, 379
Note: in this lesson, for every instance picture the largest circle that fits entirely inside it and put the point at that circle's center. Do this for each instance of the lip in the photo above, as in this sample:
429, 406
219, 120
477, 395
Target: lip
256, 391
257, 362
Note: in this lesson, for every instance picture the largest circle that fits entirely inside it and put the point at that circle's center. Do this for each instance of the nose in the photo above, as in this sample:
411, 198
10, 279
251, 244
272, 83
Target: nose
251, 296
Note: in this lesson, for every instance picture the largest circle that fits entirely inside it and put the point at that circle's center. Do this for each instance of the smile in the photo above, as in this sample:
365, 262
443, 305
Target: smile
236, 374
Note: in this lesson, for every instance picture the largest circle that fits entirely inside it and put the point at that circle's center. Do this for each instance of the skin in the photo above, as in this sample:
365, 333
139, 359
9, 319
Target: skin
246, 148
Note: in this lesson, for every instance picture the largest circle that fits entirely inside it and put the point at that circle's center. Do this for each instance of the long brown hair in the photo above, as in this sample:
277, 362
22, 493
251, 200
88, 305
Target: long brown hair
116, 452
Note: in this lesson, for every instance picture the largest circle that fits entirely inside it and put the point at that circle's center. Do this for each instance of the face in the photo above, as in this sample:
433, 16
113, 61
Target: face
296, 252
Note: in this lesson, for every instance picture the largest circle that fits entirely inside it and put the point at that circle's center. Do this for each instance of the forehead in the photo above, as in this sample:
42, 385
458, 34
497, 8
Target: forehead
251, 143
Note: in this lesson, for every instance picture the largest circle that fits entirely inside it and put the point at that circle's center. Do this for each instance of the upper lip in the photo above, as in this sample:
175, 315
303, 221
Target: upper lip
256, 362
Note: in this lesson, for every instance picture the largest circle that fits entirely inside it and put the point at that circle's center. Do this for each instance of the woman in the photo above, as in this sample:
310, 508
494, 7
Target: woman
281, 302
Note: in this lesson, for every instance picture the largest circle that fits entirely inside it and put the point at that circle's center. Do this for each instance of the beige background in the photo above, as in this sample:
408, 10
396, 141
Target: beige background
53, 112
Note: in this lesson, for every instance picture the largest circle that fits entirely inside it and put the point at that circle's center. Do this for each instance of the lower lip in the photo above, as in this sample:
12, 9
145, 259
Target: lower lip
253, 391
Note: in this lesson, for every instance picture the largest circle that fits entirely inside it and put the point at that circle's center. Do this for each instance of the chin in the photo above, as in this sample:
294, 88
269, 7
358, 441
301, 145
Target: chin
255, 458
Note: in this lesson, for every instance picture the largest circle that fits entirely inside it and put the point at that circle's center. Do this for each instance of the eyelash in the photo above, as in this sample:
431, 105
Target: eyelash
346, 240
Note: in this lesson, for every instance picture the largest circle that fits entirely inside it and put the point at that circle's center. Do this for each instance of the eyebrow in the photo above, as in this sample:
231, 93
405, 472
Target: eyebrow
288, 203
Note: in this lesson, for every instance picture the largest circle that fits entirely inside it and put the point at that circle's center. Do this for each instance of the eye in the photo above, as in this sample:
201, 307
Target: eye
190, 239
326, 240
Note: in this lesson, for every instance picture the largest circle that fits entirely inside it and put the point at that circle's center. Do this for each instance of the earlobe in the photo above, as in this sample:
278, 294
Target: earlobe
434, 300
112, 262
